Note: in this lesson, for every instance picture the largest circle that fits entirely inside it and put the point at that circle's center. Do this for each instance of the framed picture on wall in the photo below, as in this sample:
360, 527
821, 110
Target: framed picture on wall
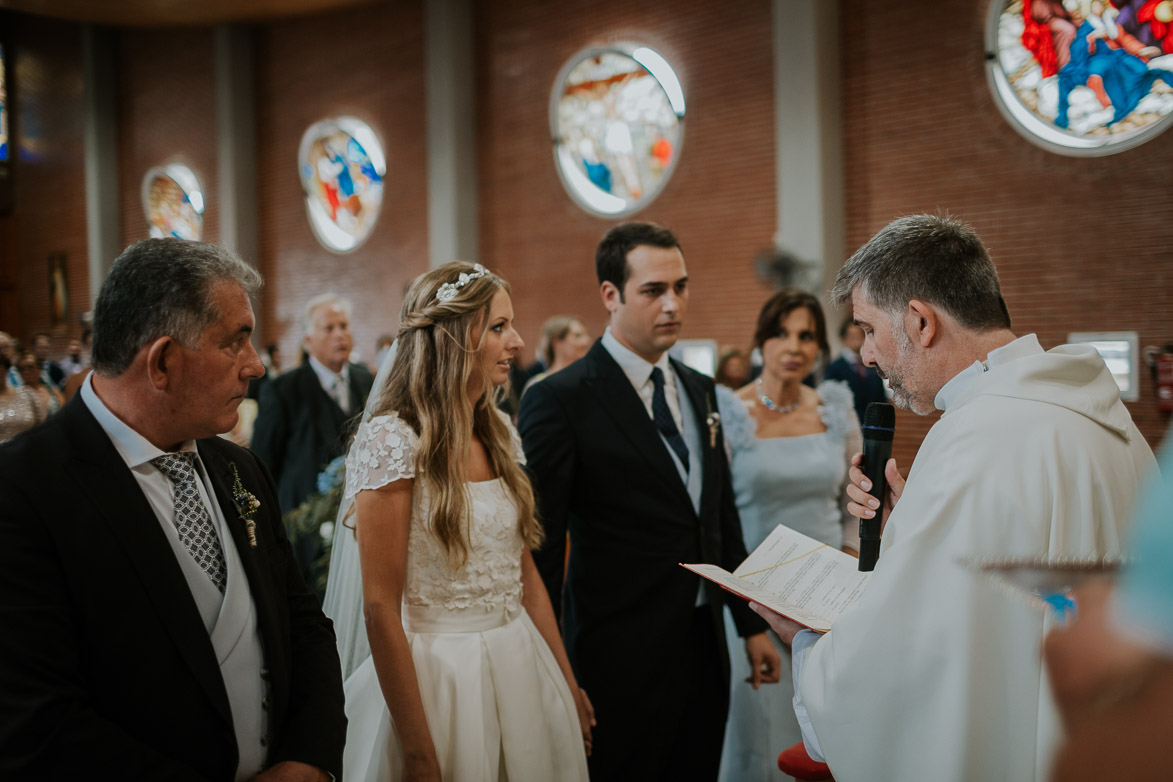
58, 291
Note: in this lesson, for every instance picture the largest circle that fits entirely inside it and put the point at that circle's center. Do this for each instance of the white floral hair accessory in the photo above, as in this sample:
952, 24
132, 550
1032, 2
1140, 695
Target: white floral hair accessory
449, 290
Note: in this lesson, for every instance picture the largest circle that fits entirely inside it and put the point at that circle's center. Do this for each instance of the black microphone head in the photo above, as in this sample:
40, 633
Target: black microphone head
879, 415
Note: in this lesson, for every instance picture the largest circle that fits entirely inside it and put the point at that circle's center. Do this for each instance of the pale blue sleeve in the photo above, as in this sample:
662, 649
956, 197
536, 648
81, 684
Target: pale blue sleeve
1144, 600
799, 648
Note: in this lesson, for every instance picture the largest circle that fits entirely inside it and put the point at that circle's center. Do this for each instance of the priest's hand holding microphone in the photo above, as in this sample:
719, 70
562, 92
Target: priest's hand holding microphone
872, 470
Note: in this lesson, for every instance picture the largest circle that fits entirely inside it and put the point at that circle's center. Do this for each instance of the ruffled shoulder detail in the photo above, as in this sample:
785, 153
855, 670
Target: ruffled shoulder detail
836, 407
739, 427
383, 452
514, 437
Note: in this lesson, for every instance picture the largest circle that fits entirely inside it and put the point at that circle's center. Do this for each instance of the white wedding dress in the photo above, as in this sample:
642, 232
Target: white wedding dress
497, 705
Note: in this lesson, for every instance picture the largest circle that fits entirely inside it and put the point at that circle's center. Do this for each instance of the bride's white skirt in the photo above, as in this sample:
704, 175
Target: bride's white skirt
497, 705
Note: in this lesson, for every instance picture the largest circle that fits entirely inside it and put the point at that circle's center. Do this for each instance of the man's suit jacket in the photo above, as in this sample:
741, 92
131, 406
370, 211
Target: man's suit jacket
601, 471
300, 429
106, 668
865, 388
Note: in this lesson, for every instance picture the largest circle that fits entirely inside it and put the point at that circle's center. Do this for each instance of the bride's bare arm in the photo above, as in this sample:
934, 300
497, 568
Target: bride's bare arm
536, 602
384, 517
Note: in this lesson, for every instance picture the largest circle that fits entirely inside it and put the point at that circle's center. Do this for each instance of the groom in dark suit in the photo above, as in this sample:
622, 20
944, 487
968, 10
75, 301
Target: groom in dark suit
155, 626
626, 454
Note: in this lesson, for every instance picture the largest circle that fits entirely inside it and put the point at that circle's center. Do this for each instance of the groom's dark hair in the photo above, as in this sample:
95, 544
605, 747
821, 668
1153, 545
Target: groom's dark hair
157, 288
611, 254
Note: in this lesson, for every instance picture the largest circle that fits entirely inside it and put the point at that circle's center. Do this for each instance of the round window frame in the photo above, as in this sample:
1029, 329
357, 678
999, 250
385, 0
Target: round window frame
1031, 127
187, 180
627, 49
347, 124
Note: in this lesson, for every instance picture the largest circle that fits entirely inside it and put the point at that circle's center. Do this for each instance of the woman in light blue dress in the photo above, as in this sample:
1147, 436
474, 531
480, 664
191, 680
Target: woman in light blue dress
789, 447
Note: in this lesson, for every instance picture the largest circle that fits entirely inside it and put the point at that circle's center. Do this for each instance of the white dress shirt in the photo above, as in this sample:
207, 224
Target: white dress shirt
336, 385
639, 372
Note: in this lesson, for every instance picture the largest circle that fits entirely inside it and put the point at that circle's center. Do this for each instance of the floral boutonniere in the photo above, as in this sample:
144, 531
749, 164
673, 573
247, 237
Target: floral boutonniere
714, 423
246, 506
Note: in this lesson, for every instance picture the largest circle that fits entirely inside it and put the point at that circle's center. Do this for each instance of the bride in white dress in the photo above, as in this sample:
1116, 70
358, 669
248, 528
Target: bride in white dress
459, 673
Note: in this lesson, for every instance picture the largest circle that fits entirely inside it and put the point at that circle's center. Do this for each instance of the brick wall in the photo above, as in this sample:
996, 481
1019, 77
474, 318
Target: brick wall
368, 64
166, 114
48, 170
1081, 244
720, 200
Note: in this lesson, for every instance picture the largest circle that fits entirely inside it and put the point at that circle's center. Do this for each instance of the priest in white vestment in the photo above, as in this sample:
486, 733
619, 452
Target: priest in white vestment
935, 673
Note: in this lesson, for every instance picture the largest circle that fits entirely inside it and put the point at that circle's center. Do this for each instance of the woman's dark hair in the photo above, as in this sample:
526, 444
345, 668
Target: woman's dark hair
781, 304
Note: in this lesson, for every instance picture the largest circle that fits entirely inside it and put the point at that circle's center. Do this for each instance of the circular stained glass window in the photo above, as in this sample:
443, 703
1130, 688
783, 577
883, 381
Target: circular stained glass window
617, 118
1082, 77
173, 202
342, 167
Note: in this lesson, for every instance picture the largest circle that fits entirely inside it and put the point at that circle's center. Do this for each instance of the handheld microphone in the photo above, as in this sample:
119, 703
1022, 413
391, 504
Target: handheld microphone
879, 426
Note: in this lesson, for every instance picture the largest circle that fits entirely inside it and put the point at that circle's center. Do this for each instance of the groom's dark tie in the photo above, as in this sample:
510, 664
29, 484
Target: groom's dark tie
663, 418
191, 516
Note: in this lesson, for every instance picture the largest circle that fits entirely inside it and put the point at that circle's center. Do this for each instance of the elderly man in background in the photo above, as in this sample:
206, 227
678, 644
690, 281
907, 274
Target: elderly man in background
303, 413
935, 673
155, 627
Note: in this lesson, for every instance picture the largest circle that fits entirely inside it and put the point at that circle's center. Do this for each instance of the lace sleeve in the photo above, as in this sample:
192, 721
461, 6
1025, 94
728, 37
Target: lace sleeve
514, 438
736, 424
383, 452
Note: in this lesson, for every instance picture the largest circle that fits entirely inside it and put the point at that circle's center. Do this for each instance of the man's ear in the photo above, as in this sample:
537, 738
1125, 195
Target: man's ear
162, 356
922, 323
611, 296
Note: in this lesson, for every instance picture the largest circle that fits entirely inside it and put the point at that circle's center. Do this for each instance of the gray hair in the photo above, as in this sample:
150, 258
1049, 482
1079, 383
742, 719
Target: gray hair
321, 300
157, 288
934, 258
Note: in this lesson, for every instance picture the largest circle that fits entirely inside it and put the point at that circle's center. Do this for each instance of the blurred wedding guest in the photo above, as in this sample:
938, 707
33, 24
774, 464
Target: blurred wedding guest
302, 415
271, 361
271, 358
866, 384
155, 626
791, 446
732, 368
934, 673
1112, 670
75, 361
51, 374
382, 346
8, 350
20, 408
33, 375
563, 341
625, 453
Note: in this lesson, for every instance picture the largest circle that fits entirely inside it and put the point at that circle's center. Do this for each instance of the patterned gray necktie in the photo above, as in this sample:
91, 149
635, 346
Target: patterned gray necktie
192, 519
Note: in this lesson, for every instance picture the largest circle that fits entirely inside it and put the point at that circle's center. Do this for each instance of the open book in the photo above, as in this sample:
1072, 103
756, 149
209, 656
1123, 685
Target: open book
796, 576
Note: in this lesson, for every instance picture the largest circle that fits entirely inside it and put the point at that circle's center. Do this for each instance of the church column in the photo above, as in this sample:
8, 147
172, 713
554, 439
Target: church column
452, 138
807, 112
103, 238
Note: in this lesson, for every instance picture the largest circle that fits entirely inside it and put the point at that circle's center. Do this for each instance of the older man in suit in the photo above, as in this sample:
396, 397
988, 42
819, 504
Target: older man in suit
626, 453
303, 414
155, 624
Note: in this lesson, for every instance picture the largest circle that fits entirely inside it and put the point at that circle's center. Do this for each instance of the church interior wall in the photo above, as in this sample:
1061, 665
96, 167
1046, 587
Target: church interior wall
1080, 243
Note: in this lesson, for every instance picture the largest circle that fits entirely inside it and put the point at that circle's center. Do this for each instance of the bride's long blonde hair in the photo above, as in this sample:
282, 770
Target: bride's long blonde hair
428, 387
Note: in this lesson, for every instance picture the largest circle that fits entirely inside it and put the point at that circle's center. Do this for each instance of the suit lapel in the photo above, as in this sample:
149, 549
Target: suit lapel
704, 404
223, 479
619, 399
100, 473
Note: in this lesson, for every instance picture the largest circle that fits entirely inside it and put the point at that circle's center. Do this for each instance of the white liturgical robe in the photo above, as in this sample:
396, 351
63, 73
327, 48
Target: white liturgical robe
936, 672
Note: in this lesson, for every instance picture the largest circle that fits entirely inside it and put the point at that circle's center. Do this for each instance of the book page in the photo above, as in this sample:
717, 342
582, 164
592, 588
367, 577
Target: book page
795, 575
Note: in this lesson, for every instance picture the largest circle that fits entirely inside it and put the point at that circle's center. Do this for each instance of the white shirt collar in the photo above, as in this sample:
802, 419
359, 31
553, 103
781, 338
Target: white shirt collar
1020, 348
637, 369
325, 375
134, 449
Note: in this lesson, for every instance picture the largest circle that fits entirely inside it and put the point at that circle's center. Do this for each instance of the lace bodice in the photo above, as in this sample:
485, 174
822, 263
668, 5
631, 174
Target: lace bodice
384, 452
